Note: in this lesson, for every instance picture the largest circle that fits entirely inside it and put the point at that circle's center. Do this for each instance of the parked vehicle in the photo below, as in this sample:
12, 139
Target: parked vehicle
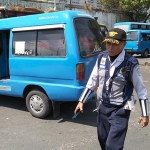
47, 58
104, 29
132, 26
138, 42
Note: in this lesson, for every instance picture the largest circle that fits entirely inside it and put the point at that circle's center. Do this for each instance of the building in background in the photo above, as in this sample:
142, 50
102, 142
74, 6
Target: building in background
91, 7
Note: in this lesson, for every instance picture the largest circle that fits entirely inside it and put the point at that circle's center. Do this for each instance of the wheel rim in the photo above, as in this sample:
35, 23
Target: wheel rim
36, 104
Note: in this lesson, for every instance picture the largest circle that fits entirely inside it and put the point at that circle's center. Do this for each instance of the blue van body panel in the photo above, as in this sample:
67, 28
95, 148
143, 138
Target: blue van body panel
131, 46
51, 82
55, 75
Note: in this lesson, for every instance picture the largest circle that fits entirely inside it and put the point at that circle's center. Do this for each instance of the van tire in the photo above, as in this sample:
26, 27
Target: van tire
38, 104
145, 53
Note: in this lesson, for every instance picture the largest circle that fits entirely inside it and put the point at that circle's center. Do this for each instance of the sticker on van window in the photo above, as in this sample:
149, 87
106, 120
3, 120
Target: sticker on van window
97, 49
20, 47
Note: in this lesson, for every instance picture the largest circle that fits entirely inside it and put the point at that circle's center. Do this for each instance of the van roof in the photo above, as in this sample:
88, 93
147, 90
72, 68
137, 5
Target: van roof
142, 31
130, 23
40, 19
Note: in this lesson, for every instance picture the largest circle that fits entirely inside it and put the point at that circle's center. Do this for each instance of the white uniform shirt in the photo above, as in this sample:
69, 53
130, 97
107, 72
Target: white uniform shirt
136, 79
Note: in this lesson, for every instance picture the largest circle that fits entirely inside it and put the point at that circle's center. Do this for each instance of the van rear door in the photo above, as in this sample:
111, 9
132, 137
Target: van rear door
90, 43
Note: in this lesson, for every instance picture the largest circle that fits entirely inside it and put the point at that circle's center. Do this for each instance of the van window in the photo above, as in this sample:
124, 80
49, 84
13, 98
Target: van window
132, 36
89, 38
145, 37
24, 43
49, 42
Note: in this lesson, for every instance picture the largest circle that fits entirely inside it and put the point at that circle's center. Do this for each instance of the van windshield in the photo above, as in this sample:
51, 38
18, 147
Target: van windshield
132, 36
88, 36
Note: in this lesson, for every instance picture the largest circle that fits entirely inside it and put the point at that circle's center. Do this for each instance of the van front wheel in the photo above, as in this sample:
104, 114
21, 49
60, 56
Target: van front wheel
145, 53
38, 104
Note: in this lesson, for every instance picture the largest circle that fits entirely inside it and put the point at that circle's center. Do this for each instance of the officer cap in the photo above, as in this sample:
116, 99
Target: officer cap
115, 35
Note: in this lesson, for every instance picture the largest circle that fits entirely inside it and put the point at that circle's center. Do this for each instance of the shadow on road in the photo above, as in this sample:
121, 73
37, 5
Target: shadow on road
66, 110
13, 102
88, 117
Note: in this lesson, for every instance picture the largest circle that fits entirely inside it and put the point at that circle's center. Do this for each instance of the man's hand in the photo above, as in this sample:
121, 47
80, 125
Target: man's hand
144, 121
79, 107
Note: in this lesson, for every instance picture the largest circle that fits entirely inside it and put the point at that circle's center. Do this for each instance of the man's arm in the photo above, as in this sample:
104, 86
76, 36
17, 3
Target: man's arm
90, 86
142, 95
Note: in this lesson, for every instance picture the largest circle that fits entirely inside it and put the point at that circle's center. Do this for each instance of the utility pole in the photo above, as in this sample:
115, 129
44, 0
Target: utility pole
148, 15
70, 5
54, 4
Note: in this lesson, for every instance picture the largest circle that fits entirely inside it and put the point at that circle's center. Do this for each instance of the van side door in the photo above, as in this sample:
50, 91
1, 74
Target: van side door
3, 55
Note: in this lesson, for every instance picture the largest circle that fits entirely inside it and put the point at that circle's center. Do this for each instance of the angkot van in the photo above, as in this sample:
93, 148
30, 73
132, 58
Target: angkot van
47, 58
138, 42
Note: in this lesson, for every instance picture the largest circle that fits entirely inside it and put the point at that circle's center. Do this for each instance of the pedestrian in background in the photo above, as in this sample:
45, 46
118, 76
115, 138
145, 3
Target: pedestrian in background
116, 73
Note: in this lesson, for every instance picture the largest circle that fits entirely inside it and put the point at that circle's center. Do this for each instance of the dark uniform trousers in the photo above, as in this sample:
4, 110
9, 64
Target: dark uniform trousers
112, 124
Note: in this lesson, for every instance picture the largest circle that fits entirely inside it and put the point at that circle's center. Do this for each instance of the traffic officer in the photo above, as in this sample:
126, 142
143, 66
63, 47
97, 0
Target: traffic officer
115, 73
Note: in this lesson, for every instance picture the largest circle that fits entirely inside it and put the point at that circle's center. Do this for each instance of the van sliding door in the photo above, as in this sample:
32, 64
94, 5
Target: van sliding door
3, 56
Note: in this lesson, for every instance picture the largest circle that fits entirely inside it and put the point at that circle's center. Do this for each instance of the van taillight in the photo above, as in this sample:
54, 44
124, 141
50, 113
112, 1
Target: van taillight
80, 71
137, 43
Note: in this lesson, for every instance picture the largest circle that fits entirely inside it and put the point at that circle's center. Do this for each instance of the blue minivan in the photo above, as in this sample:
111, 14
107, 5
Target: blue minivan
47, 58
138, 42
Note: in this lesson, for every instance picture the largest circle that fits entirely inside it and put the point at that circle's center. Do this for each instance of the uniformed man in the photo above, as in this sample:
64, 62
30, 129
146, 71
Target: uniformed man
116, 73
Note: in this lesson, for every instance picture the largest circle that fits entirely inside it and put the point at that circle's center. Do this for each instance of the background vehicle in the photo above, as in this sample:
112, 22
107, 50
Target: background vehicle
138, 42
132, 26
44, 60
104, 29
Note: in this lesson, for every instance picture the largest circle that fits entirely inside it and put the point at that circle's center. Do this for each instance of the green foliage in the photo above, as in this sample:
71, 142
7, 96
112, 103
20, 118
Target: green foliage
137, 9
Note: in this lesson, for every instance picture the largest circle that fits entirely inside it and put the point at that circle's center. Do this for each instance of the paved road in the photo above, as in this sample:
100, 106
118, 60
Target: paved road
143, 61
20, 131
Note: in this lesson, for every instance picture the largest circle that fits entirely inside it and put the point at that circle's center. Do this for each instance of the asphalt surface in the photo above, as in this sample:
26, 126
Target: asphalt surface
20, 131
143, 61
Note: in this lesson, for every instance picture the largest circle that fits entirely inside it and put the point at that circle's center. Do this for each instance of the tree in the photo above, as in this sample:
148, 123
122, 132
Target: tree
135, 9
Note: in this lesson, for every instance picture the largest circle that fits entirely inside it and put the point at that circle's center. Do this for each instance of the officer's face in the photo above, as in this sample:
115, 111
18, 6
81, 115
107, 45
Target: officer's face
114, 49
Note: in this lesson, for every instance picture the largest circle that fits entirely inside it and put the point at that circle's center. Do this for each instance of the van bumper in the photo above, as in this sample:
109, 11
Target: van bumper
132, 50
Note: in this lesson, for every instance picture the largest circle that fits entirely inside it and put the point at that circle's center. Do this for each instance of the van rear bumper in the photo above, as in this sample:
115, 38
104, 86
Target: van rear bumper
132, 50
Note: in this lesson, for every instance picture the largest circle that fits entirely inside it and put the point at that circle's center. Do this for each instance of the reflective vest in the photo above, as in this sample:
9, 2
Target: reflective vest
118, 88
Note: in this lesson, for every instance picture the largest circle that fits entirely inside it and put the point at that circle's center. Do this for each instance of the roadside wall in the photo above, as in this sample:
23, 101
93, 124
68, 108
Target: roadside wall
46, 5
106, 18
